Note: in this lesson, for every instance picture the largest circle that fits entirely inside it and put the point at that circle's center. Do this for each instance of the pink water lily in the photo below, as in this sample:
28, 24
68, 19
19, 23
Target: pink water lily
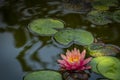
74, 60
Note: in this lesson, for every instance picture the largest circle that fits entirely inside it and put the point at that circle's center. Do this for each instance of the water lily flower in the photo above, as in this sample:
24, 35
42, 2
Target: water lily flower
74, 60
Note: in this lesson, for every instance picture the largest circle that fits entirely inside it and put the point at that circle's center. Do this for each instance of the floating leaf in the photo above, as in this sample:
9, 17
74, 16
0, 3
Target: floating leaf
116, 16
43, 75
46, 26
78, 36
110, 68
104, 4
98, 49
99, 6
98, 17
95, 61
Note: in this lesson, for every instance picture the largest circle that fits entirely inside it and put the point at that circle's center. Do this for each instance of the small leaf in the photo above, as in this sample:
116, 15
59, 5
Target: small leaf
46, 26
43, 75
116, 16
99, 17
78, 36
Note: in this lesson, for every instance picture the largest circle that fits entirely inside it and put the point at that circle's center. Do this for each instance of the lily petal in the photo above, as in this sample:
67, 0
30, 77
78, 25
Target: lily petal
87, 60
73, 60
63, 56
83, 54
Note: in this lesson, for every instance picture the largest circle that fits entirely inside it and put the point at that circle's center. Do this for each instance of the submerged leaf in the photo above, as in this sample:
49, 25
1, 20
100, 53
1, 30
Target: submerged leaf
98, 17
104, 4
43, 75
78, 36
99, 6
98, 49
46, 26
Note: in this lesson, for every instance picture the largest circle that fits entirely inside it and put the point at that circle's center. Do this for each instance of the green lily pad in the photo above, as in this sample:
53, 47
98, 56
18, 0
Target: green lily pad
78, 36
110, 68
46, 26
99, 17
99, 49
116, 16
99, 6
95, 61
104, 4
43, 75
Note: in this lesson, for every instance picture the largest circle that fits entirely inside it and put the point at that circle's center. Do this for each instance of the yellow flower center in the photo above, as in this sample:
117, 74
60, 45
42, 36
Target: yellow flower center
73, 59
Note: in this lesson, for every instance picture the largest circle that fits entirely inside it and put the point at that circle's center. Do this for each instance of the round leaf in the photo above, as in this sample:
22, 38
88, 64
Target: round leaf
78, 36
110, 68
98, 17
43, 75
45, 26
95, 61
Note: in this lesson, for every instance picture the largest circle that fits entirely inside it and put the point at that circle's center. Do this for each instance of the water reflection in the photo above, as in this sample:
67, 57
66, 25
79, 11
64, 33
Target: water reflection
37, 52
39, 56
14, 19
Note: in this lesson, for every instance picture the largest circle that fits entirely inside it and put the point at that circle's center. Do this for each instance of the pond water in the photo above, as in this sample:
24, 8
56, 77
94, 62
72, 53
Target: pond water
22, 51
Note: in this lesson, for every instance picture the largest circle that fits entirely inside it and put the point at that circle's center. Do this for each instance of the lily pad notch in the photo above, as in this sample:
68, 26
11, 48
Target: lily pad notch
46, 27
70, 36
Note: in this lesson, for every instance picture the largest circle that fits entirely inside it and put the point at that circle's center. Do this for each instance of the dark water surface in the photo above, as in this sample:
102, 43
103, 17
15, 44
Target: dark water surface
21, 51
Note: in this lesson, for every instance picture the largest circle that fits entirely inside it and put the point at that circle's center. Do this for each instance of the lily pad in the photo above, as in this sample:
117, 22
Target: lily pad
78, 36
46, 26
99, 6
104, 4
110, 68
116, 16
99, 49
99, 17
95, 61
43, 75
